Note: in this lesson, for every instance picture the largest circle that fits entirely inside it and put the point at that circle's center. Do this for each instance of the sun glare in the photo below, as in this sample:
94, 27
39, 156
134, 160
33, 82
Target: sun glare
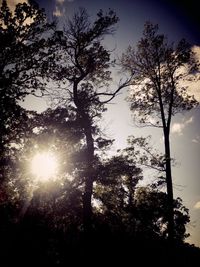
44, 166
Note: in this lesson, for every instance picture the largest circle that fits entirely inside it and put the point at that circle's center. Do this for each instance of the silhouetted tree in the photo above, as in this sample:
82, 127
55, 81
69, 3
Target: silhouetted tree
50, 219
48, 216
158, 68
152, 217
29, 206
82, 66
23, 36
22, 40
54, 131
114, 192
128, 208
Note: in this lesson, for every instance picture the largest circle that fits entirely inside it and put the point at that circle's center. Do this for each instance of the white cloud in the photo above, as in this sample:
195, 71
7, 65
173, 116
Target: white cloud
194, 80
196, 50
190, 120
177, 128
197, 205
13, 3
57, 12
196, 139
59, 8
60, 1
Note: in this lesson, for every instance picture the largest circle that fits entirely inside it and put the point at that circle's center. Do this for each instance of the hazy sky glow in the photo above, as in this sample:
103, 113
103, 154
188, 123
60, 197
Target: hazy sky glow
12, 3
177, 21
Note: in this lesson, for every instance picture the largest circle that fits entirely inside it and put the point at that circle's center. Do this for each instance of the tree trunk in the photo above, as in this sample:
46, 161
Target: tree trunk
170, 208
89, 178
89, 173
87, 207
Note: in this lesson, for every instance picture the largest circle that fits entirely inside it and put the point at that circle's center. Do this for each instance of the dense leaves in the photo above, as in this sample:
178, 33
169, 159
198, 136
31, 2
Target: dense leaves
21, 56
45, 223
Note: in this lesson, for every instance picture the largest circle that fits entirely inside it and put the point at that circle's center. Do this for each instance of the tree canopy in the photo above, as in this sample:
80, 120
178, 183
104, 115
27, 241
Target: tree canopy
159, 69
95, 203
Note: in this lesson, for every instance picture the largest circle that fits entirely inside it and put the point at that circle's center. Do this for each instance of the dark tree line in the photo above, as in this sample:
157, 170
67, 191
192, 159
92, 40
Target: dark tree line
96, 203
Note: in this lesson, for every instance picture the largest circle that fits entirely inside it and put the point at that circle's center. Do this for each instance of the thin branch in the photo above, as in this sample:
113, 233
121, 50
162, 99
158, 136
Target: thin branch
148, 124
120, 87
152, 167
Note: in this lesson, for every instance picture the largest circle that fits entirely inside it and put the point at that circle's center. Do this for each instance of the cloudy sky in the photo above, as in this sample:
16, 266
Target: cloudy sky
177, 20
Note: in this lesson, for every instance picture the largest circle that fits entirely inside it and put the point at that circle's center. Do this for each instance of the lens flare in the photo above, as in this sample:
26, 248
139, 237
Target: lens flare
44, 166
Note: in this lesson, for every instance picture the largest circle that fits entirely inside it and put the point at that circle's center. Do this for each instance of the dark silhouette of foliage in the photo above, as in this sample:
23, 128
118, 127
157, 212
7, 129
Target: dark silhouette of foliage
82, 68
21, 55
45, 223
151, 206
50, 221
156, 91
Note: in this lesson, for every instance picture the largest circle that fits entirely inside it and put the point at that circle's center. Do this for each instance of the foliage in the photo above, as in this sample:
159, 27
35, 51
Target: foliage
22, 49
82, 70
152, 214
114, 190
159, 68
157, 93
44, 221
21, 52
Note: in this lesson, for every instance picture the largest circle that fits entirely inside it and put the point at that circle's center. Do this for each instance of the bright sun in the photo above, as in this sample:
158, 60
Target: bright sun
44, 166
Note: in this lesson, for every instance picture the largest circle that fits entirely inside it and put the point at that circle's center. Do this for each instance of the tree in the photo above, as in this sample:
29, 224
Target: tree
157, 94
29, 206
152, 215
127, 212
82, 64
24, 36
115, 190
53, 131
22, 54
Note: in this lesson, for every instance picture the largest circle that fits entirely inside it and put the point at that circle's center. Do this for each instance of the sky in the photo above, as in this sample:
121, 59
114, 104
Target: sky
177, 19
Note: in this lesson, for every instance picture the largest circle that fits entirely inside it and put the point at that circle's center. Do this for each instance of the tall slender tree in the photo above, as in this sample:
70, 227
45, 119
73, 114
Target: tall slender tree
82, 63
158, 68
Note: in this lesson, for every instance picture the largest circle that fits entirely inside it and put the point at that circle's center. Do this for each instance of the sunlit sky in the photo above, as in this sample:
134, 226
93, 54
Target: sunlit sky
177, 20
44, 166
